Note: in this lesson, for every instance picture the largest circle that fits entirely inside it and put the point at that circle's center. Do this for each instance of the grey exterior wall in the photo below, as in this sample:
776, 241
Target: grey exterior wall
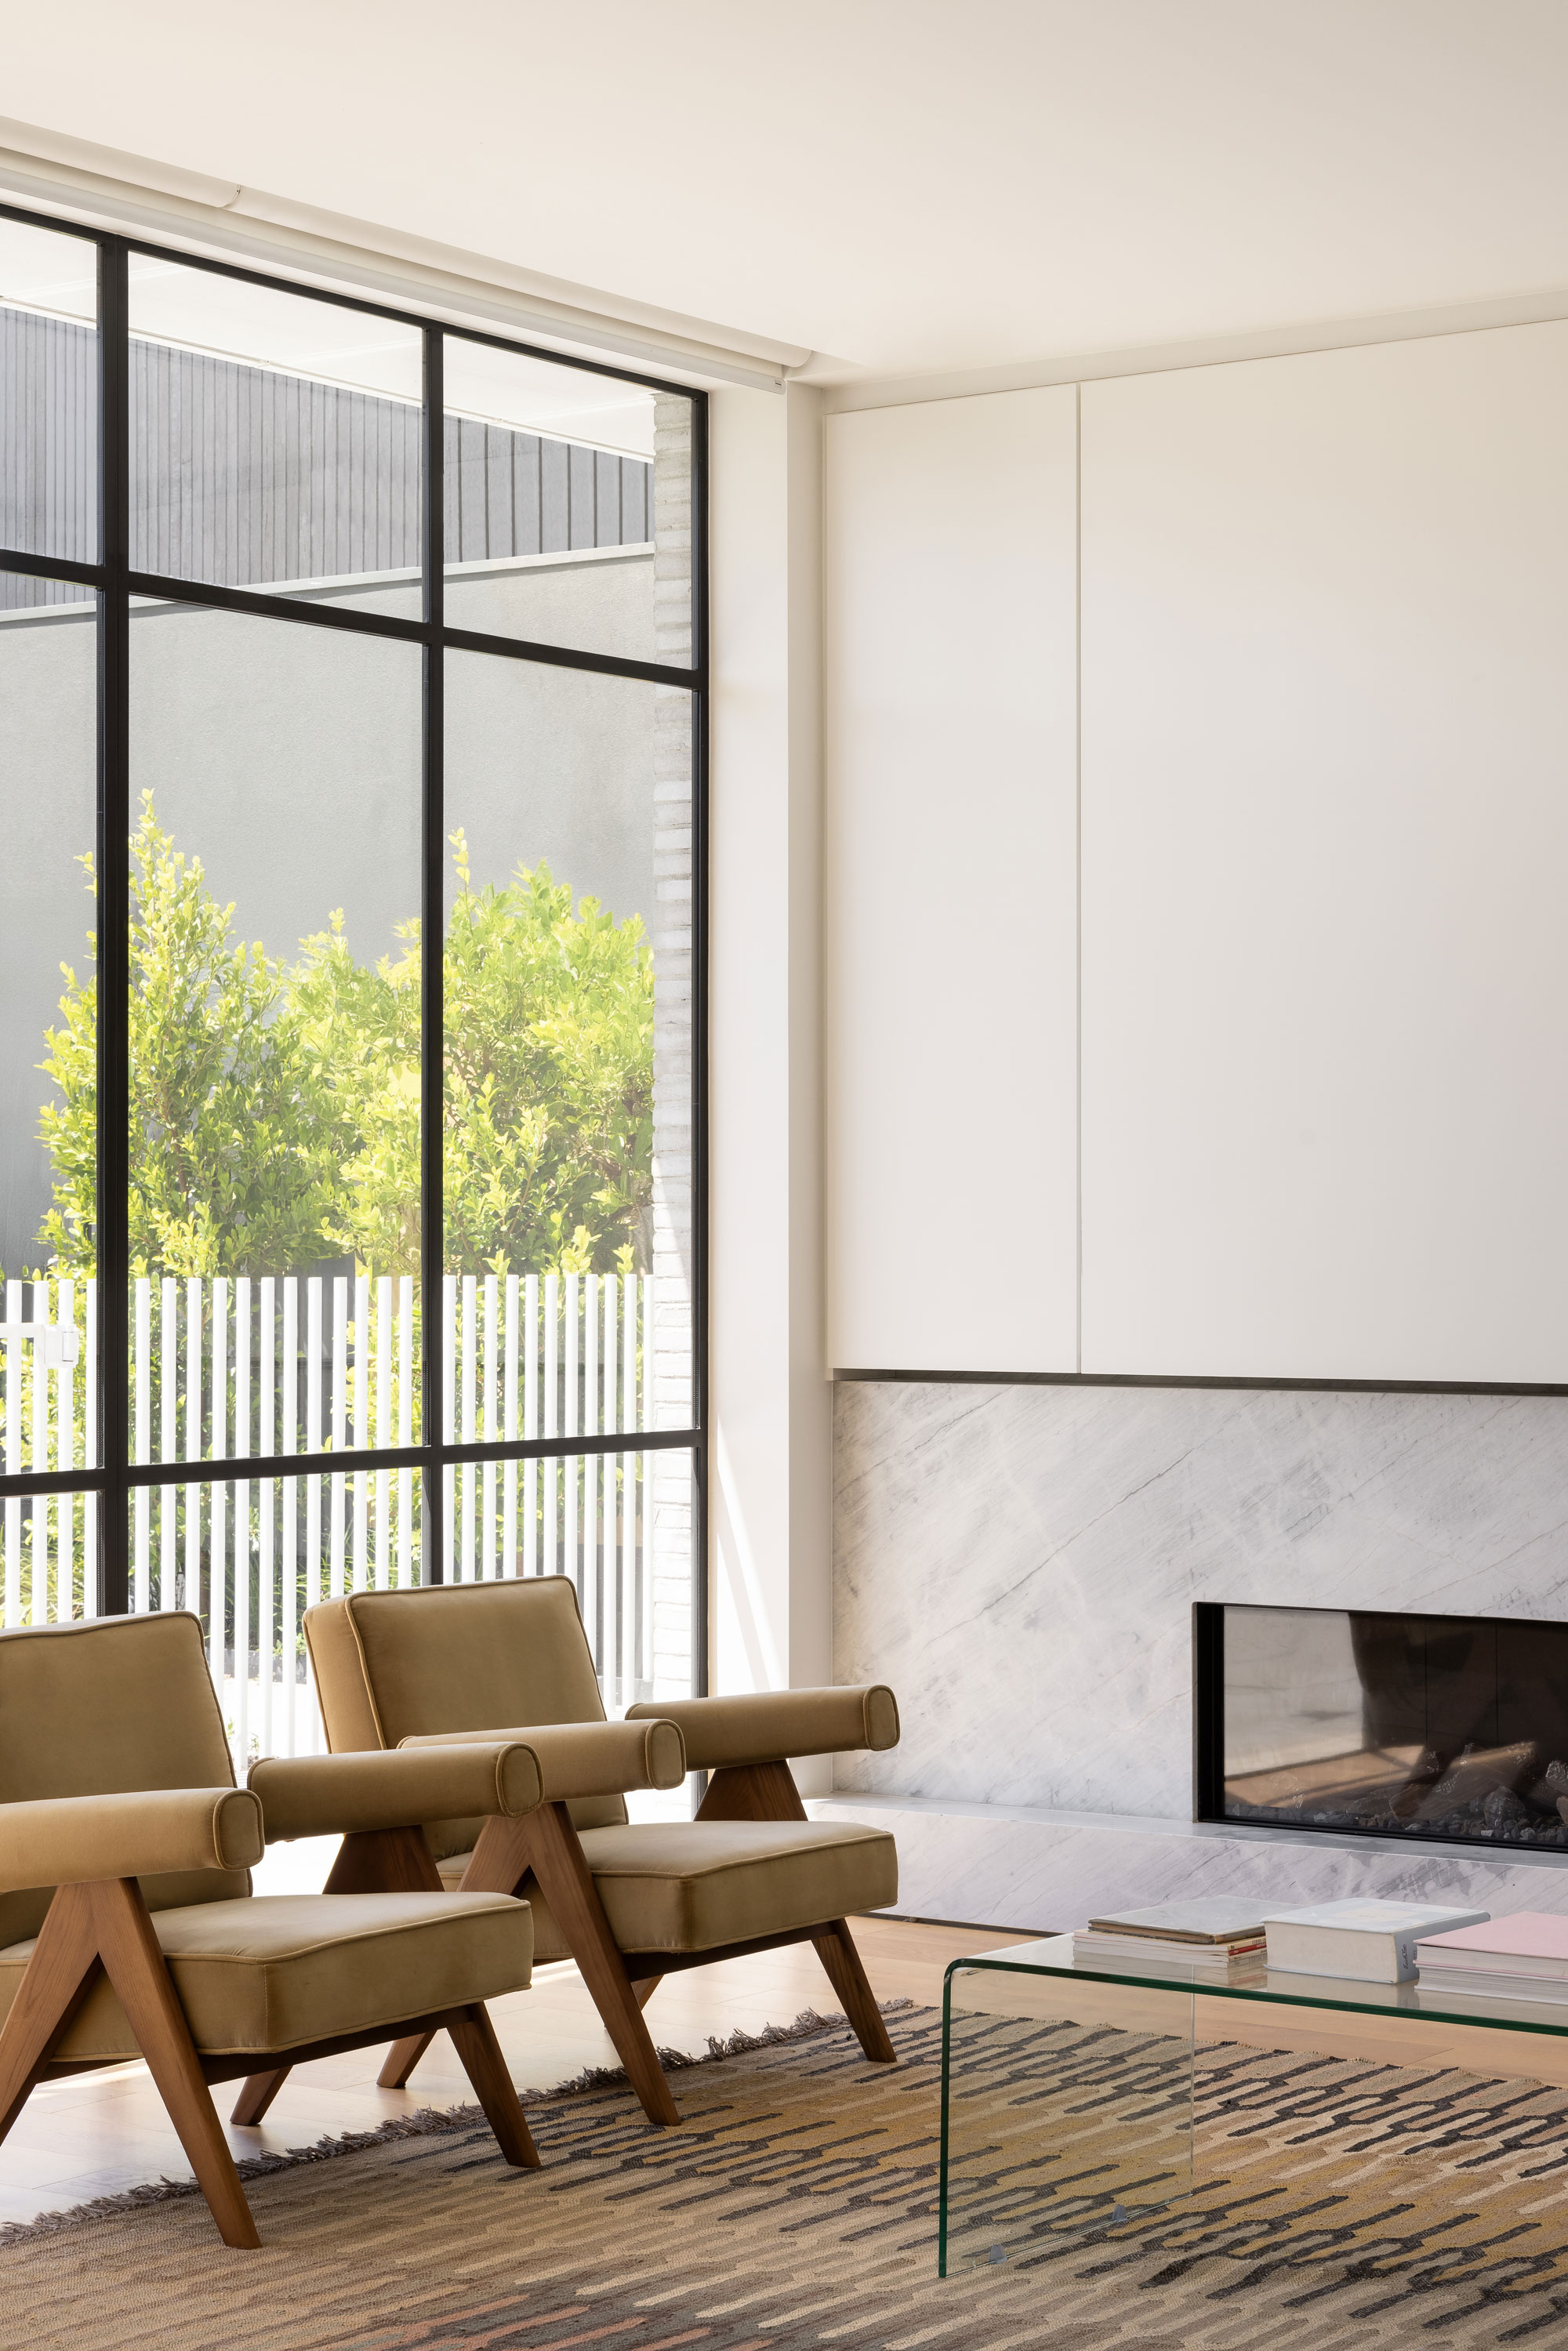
49, 793
48, 448
288, 759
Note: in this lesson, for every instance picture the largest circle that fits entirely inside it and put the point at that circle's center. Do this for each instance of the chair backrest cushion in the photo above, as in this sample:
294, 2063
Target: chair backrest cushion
391, 1665
104, 1708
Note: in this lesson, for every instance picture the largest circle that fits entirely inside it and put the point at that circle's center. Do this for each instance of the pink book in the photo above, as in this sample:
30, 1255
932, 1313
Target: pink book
1529, 1943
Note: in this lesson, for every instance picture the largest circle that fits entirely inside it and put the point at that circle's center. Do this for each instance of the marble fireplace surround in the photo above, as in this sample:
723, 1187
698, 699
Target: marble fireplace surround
1019, 1564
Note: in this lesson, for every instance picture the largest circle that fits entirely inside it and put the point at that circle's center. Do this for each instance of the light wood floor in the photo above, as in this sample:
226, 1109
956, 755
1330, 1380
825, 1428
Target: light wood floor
96, 2134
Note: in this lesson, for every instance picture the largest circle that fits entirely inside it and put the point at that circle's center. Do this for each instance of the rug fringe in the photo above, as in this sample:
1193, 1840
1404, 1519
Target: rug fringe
426, 2122
738, 2043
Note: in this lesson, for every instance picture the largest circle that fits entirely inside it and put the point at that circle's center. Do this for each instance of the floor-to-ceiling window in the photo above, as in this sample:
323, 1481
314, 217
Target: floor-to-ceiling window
351, 676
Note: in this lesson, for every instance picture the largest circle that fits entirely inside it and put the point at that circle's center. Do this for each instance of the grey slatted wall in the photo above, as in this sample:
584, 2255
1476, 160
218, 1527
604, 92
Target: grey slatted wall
244, 475
48, 449
518, 494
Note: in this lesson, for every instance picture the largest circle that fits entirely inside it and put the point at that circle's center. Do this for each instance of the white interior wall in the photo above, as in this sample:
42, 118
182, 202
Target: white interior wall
769, 1466
950, 907
1325, 844
1325, 847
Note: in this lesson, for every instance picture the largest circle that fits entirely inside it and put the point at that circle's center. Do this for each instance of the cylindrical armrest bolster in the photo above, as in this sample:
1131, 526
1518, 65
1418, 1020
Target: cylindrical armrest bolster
327, 1795
70, 1840
590, 1758
767, 1725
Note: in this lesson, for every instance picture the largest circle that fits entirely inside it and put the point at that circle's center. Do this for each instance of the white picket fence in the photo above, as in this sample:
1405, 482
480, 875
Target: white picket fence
51, 1416
225, 1368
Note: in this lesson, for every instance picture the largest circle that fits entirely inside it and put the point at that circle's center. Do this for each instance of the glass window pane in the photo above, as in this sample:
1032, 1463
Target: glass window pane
275, 439
249, 1555
568, 506
619, 1524
49, 1556
275, 877
48, 400
568, 1195
48, 1076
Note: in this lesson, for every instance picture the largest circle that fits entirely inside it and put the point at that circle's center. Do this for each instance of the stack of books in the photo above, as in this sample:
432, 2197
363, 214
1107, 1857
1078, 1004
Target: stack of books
1521, 1957
1368, 1941
1210, 1936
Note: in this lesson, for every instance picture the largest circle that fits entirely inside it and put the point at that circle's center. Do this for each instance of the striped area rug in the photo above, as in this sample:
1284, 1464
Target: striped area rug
1335, 2204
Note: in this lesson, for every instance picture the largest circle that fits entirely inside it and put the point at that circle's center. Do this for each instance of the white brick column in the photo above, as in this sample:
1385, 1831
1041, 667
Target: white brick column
668, 1494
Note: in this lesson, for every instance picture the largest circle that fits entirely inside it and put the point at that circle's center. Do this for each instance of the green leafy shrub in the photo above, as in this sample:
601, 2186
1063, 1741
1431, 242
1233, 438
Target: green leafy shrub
275, 1109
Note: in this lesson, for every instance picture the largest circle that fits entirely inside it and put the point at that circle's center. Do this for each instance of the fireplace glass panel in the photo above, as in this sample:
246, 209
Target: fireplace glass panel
1449, 1727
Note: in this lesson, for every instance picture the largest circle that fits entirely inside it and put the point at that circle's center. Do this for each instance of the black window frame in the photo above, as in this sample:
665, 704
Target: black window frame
115, 1477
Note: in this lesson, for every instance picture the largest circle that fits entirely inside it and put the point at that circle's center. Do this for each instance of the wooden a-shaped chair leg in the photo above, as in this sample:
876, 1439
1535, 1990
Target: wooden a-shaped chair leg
767, 1791
402, 2059
384, 1861
835, 1948
388, 1861
546, 1842
474, 2037
752, 1791
136, 1968
58, 1979
498, 1873
106, 1924
258, 2094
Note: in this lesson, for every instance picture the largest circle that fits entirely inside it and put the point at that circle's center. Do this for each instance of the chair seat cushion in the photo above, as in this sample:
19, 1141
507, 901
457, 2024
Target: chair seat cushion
699, 1886
272, 1972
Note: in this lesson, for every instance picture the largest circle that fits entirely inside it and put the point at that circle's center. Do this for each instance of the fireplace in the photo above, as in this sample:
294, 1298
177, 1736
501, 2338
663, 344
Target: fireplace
1363, 1723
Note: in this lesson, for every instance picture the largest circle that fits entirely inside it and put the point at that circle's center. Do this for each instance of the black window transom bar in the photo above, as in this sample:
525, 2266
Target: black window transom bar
115, 1476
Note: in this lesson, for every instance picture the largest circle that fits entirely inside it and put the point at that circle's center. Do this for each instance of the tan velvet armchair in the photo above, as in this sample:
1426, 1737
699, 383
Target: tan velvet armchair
629, 1902
128, 1926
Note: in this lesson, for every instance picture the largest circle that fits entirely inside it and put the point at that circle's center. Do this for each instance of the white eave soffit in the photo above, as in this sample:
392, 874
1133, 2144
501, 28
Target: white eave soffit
99, 187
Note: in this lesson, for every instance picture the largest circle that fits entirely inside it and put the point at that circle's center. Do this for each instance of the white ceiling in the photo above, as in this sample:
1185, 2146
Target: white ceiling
906, 185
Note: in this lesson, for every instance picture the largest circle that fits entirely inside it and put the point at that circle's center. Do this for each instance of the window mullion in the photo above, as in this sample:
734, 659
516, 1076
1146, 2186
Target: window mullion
112, 1595
432, 1005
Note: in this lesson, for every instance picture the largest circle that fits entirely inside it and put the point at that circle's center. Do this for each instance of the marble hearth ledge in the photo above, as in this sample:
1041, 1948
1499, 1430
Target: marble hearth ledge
1017, 1867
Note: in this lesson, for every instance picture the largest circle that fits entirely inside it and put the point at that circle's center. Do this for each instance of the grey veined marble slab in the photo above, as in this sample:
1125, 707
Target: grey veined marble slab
996, 1866
1020, 1562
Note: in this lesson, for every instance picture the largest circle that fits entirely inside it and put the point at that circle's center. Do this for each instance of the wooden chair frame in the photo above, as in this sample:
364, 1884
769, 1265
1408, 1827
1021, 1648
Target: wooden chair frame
543, 1847
106, 1926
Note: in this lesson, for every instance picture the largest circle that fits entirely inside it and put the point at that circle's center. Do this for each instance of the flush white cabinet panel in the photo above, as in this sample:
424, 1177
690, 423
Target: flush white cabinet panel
951, 885
1325, 864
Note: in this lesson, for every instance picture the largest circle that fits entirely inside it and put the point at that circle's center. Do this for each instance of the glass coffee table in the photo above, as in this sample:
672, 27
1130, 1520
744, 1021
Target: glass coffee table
1080, 2099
